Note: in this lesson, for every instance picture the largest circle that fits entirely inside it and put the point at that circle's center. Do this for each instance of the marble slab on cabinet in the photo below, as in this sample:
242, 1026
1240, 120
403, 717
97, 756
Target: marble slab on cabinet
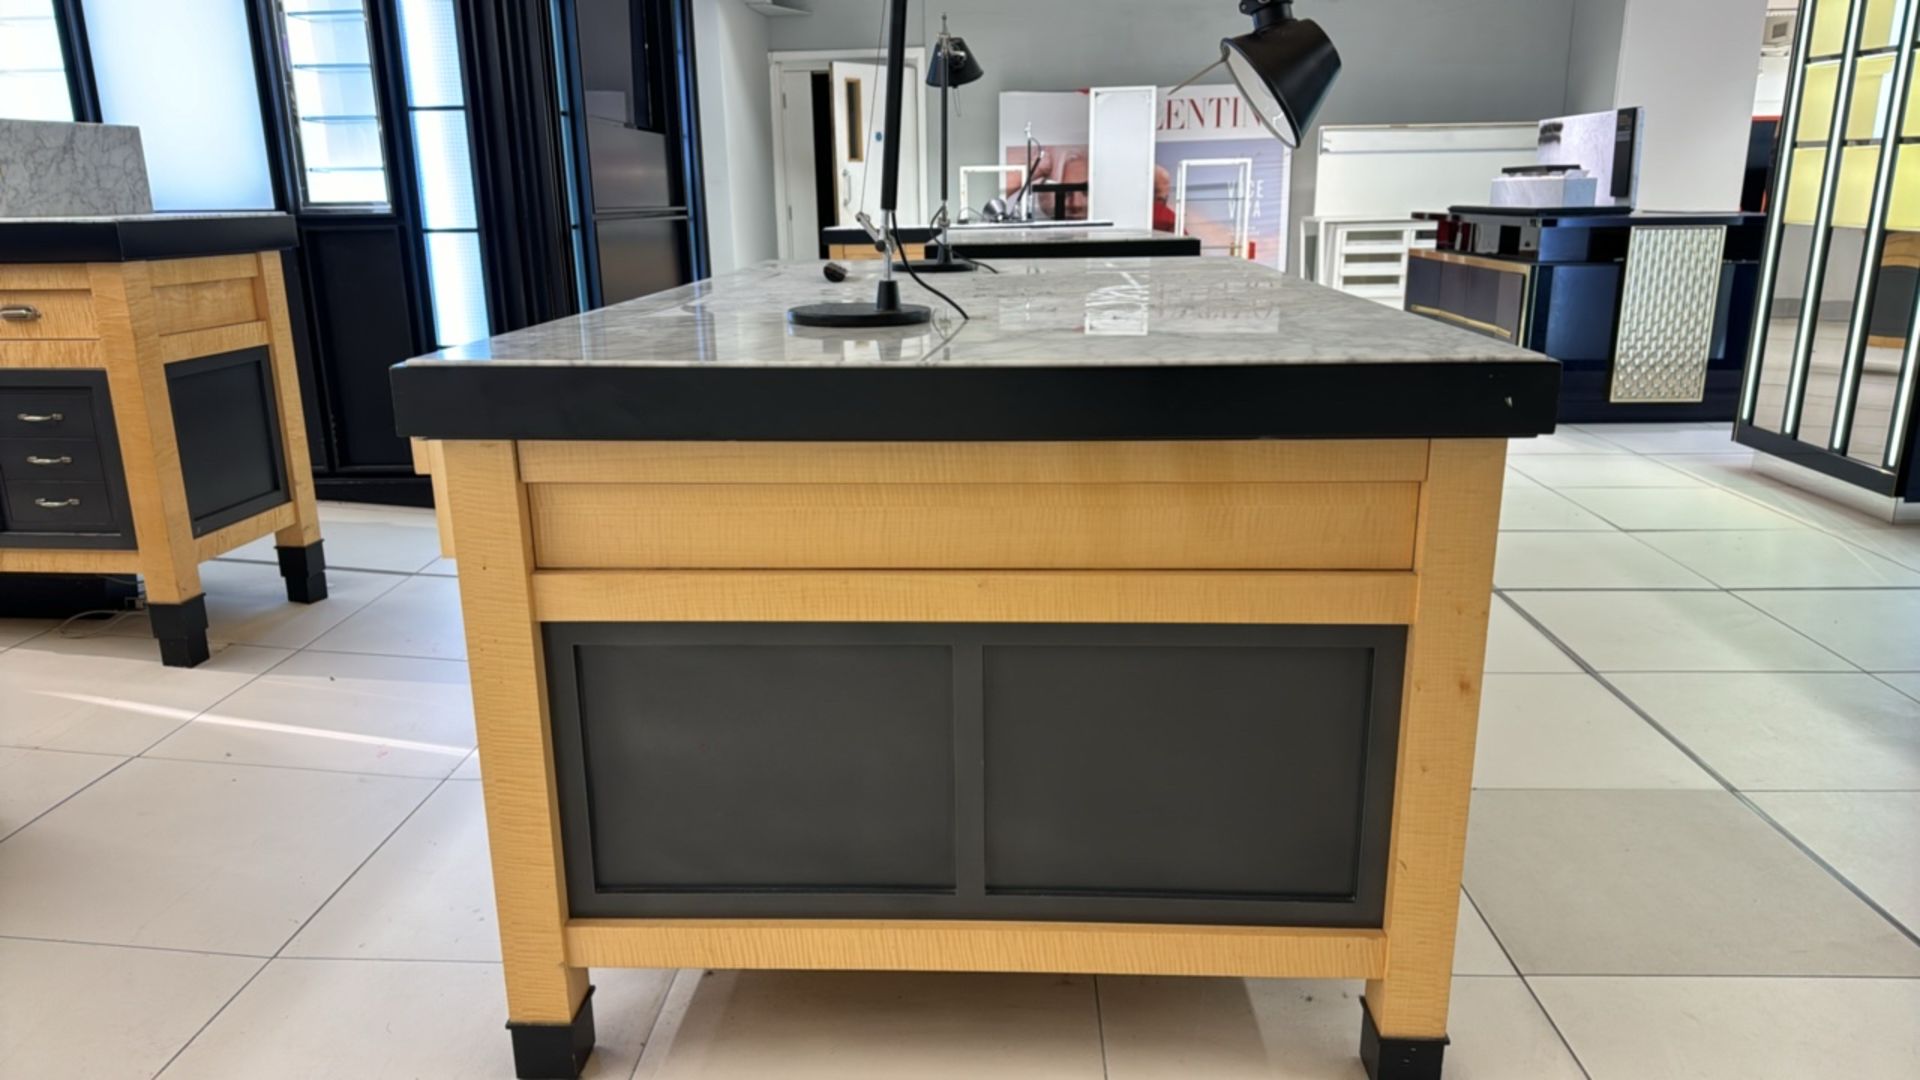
55, 169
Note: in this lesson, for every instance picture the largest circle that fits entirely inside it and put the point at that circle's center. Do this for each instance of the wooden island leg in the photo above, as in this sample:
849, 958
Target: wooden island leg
156, 493
1404, 1022
303, 562
549, 1010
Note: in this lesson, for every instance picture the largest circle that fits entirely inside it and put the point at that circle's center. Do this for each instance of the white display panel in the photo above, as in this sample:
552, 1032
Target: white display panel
1120, 151
1394, 171
33, 71
183, 72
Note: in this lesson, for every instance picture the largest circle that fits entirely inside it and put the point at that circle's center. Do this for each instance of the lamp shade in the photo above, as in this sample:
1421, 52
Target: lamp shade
954, 50
1284, 69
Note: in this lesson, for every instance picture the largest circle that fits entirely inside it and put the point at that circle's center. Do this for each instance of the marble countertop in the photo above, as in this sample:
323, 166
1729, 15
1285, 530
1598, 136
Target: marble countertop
1057, 349
990, 235
1037, 313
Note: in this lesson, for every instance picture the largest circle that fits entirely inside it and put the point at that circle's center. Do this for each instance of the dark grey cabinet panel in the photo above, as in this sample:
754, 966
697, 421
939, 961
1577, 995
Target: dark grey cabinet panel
227, 424
61, 481
1235, 774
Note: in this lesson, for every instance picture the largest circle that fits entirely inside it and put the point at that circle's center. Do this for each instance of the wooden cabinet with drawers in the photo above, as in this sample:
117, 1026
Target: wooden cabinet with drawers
150, 412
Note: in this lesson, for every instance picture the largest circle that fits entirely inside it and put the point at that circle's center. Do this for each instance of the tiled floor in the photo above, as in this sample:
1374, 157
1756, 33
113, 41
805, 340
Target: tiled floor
1695, 850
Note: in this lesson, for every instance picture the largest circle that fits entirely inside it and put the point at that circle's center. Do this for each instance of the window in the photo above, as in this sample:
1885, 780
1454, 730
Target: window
33, 71
183, 71
335, 115
436, 106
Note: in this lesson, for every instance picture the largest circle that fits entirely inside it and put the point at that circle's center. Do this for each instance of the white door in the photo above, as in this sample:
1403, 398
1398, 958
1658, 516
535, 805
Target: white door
800, 218
1120, 122
859, 116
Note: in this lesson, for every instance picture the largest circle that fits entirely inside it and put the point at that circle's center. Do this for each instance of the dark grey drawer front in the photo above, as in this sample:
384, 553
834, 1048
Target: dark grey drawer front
1221, 774
55, 413
59, 460
227, 427
61, 480
59, 508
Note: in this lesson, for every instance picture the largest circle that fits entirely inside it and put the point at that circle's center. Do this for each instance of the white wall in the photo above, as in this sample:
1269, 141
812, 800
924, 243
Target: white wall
736, 132
1692, 67
1593, 55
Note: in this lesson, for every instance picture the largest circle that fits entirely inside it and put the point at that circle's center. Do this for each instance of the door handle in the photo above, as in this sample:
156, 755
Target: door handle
35, 459
49, 504
39, 418
19, 313
846, 186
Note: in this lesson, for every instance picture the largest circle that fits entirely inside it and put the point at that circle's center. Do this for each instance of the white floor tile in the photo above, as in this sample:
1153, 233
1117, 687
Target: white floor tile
1738, 1029
1781, 559
1576, 560
421, 617
1568, 731
110, 694
396, 539
102, 1013
33, 781
1664, 883
1475, 950
1255, 1029
1667, 438
15, 631
339, 1020
442, 568
186, 855
1899, 543
1674, 631
247, 604
426, 895
1536, 509
1871, 837
750, 1025
1791, 732
1515, 479
1907, 683
1876, 629
1806, 506
1601, 470
469, 768
1564, 441
395, 716
1662, 509
1513, 645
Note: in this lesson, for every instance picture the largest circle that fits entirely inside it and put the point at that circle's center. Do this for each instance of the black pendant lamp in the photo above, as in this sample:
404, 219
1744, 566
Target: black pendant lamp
1284, 67
953, 65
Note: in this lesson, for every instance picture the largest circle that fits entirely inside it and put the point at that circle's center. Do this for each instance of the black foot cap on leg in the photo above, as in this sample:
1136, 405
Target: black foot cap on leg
181, 630
305, 569
1397, 1059
554, 1051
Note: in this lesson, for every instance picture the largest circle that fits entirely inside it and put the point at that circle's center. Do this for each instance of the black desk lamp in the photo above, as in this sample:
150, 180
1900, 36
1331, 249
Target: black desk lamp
1284, 68
953, 65
886, 309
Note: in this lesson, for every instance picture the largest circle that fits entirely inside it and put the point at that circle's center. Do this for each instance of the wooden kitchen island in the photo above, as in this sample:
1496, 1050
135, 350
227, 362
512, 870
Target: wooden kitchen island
1135, 626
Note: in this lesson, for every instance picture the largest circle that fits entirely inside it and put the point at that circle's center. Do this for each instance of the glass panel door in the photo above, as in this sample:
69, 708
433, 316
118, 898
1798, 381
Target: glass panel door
336, 116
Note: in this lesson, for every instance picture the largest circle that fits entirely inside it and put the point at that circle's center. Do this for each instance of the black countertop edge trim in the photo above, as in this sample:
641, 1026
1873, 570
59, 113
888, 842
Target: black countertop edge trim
1425, 399
1589, 217
1091, 248
26, 241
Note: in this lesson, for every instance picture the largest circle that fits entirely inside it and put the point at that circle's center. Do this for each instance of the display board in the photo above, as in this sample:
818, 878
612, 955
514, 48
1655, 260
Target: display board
1391, 171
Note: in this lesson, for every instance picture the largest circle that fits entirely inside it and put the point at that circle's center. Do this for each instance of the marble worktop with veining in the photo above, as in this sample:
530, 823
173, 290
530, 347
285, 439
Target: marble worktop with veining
1037, 313
51, 169
991, 235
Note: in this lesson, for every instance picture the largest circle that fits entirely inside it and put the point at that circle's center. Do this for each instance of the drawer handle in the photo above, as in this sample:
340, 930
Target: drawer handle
40, 418
20, 313
35, 459
49, 504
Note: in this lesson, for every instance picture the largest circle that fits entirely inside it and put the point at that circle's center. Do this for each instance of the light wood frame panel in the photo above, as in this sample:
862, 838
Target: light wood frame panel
1442, 597
147, 315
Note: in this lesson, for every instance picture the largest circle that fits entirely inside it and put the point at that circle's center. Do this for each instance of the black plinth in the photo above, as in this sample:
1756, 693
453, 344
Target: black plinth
181, 630
1397, 1059
305, 569
937, 266
554, 1051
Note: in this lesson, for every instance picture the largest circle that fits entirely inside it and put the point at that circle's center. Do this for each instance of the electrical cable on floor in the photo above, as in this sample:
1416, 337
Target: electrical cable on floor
108, 620
983, 266
893, 241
